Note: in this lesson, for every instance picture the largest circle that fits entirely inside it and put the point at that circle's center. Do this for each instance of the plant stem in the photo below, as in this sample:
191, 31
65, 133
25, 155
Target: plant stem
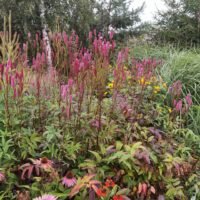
99, 120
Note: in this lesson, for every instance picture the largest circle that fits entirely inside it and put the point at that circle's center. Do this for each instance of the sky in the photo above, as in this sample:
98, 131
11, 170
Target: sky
150, 9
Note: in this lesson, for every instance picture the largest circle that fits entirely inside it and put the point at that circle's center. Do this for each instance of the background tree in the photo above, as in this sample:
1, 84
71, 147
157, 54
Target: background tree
116, 13
180, 23
26, 15
81, 16
192, 7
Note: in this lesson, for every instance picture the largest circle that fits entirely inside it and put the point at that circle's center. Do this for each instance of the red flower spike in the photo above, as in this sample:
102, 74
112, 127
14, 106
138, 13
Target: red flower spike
118, 197
109, 183
101, 192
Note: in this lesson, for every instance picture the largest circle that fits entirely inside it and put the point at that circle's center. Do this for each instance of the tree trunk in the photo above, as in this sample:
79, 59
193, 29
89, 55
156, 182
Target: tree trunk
45, 34
198, 20
109, 16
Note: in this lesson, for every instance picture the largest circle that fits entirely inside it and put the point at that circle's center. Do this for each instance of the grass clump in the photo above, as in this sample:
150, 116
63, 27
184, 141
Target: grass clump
184, 66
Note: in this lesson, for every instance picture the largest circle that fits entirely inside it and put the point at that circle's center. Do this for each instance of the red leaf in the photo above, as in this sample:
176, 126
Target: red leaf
75, 190
30, 171
23, 174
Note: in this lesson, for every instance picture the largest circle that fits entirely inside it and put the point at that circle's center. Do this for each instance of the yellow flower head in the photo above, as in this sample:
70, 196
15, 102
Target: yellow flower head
142, 81
165, 85
110, 85
157, 88
148, 83
125, 68
170, 110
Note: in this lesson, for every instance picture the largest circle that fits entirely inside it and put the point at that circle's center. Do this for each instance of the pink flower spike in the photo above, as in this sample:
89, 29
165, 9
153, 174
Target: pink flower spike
188, 100
46, 197
70, 82
12, 82
64, 90
174, 103
9, 64
179, 105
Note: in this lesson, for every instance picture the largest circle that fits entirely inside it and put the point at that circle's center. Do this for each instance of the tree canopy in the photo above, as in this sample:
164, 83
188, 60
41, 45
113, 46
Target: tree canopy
81, 15
180, 22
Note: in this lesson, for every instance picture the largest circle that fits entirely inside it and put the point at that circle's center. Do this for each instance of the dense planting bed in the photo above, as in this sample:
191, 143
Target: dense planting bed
93, 126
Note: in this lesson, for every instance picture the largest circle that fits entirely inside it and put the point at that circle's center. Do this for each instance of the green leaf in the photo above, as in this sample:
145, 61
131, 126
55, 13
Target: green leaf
119, 145
124, 191
113, 191
97, 156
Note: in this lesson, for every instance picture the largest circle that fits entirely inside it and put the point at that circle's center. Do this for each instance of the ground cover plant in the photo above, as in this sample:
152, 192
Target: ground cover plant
94, 126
